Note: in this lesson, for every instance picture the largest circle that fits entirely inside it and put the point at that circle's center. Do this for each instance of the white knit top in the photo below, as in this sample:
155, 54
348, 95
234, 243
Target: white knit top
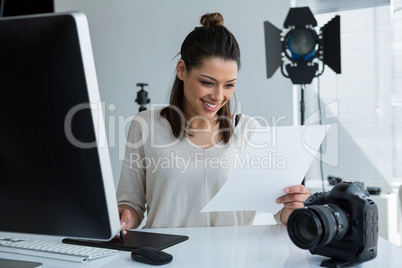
174, 179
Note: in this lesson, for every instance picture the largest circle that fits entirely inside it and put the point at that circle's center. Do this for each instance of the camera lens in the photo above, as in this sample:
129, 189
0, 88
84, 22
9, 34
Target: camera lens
307, 228
317, 225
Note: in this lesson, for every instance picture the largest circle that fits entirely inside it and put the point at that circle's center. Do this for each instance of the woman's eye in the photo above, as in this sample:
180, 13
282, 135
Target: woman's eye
230, 85
206, 83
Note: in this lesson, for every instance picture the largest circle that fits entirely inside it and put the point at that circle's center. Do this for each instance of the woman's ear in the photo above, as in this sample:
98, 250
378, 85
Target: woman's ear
181, 69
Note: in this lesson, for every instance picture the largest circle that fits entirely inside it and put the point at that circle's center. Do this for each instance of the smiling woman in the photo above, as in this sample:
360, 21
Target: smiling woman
210, 56
197, 129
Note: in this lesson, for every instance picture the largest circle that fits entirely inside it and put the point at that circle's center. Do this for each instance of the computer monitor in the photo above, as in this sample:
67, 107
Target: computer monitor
55, 170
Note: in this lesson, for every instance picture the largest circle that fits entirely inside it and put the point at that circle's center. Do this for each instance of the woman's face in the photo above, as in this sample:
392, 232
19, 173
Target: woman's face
209, 87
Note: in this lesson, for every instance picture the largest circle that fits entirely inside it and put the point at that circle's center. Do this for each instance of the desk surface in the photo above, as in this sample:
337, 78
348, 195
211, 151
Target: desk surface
245, 246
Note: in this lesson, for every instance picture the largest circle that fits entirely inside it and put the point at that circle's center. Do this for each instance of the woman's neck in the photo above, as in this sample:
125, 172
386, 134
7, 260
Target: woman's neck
201, 122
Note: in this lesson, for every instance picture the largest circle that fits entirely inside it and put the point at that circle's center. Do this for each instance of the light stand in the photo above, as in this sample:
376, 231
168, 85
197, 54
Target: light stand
302, 108
304, 48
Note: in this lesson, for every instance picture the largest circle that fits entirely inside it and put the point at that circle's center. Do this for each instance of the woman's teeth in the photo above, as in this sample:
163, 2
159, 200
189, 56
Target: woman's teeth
209, 105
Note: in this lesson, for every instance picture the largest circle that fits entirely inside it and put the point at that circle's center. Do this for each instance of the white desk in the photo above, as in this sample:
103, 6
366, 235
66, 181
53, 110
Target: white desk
248, 246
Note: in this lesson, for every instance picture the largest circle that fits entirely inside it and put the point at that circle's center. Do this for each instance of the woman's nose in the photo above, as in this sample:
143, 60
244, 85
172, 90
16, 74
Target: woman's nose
217, 94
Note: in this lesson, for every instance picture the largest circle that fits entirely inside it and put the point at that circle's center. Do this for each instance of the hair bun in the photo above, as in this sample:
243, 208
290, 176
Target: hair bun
212, 19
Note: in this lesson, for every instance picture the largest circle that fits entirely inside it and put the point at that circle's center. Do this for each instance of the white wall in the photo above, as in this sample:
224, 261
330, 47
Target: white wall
137, 41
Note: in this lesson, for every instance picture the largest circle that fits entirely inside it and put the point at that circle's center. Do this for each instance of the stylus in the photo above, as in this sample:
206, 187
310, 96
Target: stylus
122, 234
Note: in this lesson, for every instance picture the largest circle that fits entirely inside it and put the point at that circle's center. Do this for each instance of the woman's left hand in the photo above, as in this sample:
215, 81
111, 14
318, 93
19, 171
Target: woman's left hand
294, 199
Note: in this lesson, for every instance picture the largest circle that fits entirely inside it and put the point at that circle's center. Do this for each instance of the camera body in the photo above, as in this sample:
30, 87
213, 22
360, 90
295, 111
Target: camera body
341, 224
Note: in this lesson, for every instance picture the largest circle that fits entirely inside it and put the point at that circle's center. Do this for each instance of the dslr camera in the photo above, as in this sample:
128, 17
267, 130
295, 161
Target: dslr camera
341, 224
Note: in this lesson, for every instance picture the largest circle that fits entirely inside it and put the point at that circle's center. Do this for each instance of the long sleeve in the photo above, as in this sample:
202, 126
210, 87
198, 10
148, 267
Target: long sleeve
132, 188
277, 217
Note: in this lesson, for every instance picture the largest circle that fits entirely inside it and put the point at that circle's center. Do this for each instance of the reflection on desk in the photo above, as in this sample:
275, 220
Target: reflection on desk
243, 246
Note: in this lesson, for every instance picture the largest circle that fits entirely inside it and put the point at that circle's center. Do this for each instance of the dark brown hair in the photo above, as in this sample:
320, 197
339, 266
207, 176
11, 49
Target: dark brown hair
211, 40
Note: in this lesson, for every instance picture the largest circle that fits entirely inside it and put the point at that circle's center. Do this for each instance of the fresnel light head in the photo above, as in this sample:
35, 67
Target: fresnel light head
302, 46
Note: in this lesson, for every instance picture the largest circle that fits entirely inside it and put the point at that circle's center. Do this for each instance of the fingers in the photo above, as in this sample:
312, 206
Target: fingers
123, 227
295, 197
292, 205
300, 198
125, 216
297, 189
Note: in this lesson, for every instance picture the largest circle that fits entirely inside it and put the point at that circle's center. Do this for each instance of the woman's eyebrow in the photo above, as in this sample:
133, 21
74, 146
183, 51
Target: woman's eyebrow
207, 76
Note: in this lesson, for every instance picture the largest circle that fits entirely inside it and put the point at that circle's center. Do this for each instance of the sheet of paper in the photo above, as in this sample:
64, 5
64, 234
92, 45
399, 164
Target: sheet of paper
275, 158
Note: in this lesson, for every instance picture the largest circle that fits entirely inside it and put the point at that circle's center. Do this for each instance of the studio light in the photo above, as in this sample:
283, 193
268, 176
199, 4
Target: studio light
302, 46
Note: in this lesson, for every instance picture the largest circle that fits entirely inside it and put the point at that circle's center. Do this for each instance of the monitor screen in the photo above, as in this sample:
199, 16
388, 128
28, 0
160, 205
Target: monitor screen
55, 170
25, 7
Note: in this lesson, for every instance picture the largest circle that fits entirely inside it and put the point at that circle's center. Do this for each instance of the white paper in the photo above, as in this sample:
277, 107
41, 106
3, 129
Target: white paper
264, 173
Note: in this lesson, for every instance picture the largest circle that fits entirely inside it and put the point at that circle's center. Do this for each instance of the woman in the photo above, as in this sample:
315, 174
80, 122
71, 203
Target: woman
179, 157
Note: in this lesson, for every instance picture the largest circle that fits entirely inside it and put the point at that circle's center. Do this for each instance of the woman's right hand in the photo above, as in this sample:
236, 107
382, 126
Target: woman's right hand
129, 218
125, 218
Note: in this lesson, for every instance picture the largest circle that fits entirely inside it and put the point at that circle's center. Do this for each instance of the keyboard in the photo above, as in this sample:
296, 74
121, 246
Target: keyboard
54, 250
